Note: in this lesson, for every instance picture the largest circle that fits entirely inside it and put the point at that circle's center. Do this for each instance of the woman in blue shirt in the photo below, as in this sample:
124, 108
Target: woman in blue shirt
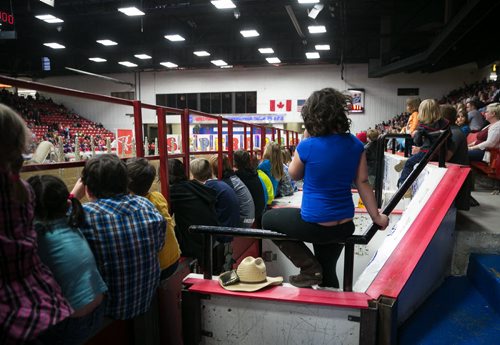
329, 159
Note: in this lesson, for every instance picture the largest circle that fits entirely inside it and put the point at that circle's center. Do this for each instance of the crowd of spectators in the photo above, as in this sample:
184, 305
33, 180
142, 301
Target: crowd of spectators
52, 122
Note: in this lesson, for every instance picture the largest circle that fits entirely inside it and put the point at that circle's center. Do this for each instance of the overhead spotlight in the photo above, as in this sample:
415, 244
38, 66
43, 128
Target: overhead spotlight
236, 13
313, 13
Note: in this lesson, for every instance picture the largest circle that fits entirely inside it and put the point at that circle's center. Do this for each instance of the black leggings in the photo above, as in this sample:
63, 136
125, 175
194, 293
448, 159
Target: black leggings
327, 240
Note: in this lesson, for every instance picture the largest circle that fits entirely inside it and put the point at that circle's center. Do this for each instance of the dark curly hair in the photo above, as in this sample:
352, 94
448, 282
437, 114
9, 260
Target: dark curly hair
325, 112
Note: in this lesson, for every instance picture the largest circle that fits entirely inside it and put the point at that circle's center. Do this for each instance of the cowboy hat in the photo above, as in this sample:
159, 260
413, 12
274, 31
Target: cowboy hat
248, 277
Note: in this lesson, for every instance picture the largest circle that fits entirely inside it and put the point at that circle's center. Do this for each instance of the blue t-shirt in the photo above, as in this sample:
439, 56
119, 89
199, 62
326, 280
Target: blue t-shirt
66, 252
330, 165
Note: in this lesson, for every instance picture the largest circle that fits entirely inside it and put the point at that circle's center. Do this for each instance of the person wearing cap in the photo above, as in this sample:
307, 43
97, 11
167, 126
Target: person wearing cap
329, 158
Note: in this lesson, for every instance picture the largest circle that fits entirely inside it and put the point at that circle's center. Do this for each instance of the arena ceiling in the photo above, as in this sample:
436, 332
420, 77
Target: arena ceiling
391, 35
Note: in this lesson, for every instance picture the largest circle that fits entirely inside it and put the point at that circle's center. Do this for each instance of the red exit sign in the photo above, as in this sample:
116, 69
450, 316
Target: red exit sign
6, 17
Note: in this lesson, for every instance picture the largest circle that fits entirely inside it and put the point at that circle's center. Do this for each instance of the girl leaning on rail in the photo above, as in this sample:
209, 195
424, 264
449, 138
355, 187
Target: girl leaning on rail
329, 158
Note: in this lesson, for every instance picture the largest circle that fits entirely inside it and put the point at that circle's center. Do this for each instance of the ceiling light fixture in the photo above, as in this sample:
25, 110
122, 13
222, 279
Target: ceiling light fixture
273, 60
226, 66
219, 62
223, 4
313, 13
48, 18
131, 11
316, 29
266, 50
201, 53
322, 47
127, 64
308, 1
249, 33
107, 42
312, 55
54, 45
169, 64
97, 59
175, 38
143, 56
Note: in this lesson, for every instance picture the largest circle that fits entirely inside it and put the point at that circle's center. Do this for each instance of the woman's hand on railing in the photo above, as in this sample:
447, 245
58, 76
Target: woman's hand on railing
382, 221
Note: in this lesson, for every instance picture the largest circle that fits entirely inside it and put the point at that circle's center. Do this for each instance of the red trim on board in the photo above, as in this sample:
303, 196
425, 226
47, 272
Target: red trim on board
405, 257
285, 294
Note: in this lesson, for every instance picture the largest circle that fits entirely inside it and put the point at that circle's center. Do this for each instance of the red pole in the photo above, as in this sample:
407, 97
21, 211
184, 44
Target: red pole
263, 134
230, 148
219, 148
251, 140
273, 137
279, 136
185, 139
162, 149
287, 138
139, 144
245, 146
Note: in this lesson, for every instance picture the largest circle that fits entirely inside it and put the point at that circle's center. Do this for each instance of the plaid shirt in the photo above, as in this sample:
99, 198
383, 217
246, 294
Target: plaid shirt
30, 299
126, 233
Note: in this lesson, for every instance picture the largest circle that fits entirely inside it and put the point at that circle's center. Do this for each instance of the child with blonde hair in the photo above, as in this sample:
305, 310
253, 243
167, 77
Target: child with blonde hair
31, 301
272, 164
430, 121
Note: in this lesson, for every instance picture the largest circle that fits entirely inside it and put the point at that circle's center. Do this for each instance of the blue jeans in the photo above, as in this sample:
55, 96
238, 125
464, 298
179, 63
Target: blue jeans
476, 155
408, 168
74, 331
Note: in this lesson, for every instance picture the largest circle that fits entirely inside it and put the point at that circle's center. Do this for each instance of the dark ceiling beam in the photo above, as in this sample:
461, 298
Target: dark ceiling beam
457, 28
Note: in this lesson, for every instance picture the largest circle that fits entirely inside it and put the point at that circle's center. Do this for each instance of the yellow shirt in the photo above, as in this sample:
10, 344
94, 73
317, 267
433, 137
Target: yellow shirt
170, 252
269, 186
412, 124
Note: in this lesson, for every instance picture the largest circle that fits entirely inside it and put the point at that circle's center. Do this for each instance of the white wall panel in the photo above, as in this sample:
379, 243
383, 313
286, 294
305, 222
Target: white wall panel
294, 82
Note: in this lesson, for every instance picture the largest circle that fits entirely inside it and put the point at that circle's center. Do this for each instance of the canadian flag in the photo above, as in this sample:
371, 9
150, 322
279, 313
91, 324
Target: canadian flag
280, 105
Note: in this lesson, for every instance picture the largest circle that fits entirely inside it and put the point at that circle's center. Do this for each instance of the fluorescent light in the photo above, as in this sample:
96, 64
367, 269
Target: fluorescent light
223, 4
249, 33
142, 56
54, 45
97, 59
48, 18
322, 47
201, 53
107, 42
273, 60
169, 64
312, 55
127, 64
313, 13
226, 66
131, 11
175, 38
266, 50
316, 29
219, 62
308, 1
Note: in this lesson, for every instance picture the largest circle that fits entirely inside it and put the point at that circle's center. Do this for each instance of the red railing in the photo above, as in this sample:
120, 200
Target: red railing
161, 114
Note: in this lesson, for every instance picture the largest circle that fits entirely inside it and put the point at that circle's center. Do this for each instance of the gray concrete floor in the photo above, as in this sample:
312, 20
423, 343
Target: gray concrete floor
477, 230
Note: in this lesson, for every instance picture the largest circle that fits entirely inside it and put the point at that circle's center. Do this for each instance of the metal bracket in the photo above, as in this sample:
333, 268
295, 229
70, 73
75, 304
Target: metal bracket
354, 318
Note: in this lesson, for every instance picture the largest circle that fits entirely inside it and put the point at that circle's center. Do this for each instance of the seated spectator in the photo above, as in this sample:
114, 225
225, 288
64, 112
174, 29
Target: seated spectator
247, 208
141, 176
463, 122
457, 154
251, 179
371, 154
430, 120
227, 204
477, 150
272, 165
125, 232
192, 204
66, 252
31, 301
286, 186
476, 120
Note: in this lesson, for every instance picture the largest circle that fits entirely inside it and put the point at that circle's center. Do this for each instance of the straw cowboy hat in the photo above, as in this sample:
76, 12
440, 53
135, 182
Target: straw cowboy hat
248, 277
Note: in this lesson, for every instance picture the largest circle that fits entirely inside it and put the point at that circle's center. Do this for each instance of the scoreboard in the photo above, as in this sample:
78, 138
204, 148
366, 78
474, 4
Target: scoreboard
7, 23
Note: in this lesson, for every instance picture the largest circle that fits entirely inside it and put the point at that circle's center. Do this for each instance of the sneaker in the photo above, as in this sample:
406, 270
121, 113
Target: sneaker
305, 280
398, 167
